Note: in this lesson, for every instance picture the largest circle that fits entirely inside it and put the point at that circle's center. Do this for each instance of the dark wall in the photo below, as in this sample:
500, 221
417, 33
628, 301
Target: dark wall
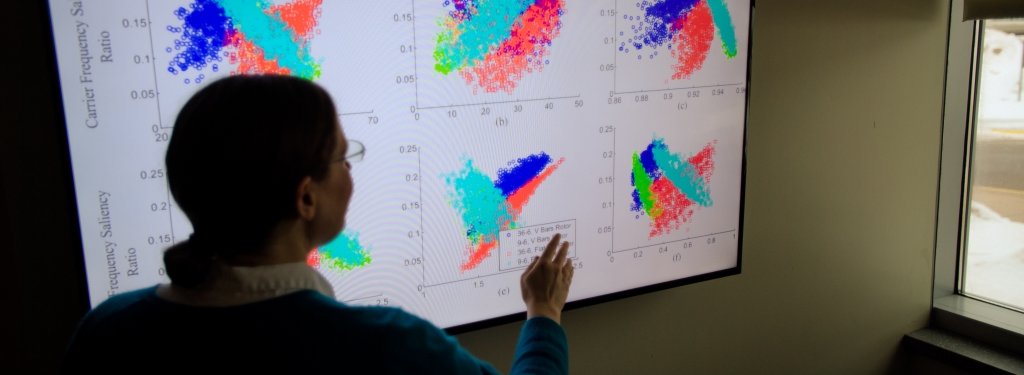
42, 277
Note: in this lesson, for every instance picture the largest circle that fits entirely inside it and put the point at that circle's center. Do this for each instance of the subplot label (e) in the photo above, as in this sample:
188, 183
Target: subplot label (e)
488, 207
493, 43
668, 188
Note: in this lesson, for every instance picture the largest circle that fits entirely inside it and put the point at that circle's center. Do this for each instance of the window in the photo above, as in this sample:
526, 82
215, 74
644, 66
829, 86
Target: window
978, 287
993, 262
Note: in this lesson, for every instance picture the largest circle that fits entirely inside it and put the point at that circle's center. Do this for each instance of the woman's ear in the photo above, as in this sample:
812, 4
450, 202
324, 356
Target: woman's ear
305, 199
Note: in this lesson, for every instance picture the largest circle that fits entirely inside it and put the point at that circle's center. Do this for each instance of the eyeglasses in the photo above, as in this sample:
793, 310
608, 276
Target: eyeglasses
356, 151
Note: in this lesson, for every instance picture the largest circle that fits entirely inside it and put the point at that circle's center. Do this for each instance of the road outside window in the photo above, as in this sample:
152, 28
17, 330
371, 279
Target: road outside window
994, 261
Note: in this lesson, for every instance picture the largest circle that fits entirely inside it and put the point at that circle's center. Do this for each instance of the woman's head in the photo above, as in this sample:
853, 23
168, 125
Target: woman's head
242, 151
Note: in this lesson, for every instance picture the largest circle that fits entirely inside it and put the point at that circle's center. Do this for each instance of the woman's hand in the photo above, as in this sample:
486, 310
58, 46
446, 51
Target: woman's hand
545, 282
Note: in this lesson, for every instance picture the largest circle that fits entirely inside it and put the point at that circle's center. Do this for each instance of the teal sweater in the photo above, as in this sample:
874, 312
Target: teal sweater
302, 331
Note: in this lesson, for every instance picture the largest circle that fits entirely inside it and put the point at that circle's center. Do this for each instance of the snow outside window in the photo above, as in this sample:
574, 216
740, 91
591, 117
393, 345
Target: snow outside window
994, 259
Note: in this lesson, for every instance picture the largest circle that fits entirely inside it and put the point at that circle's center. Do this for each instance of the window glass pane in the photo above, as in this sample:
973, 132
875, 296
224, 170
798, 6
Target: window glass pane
994, 268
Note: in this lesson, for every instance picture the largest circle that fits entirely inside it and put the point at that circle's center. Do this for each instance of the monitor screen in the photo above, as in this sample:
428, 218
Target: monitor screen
489, 126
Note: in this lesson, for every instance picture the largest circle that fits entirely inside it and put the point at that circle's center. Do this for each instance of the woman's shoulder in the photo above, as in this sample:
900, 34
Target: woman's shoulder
123, 301
117, 309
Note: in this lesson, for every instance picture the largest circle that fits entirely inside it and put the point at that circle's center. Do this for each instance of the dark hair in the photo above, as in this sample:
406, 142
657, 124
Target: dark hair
239, 149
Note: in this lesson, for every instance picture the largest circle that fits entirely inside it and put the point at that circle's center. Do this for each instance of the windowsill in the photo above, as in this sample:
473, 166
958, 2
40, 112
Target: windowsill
972, 335
962, 353
972, 317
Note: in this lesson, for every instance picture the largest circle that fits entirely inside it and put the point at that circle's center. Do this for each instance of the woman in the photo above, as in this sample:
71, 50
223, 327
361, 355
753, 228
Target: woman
258, 164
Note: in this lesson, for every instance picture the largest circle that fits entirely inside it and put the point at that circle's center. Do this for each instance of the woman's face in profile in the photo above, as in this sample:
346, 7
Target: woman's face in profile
337, 190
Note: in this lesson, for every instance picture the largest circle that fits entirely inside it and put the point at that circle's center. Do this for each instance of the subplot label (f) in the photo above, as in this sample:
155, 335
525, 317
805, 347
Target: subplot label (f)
668, 188
488, 207
493, 43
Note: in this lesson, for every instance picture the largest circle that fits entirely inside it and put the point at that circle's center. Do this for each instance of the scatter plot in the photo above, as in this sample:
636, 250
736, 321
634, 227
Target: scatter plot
668, 188
488, 206
490, 125
492, 44
244, 37
686, 28
343, 253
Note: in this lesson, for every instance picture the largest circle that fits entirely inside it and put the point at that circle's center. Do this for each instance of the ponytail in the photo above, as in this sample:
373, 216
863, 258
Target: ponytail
188, 264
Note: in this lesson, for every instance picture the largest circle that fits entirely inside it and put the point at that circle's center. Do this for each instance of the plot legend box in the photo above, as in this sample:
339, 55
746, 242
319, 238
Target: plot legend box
519, 246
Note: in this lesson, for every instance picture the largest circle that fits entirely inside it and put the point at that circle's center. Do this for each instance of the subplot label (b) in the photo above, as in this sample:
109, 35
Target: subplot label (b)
493, 43
668, 188
488, 207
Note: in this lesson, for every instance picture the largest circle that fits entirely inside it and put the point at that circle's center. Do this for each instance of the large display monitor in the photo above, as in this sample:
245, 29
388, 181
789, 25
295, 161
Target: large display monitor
489, 126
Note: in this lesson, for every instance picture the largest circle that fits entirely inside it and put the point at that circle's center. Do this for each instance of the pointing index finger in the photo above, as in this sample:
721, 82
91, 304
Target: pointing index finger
549, 251
563, 252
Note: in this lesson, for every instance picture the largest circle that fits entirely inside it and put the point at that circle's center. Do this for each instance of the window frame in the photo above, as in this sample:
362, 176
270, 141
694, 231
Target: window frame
952, 311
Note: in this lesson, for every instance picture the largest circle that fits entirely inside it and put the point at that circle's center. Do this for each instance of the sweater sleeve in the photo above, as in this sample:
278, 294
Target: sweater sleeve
461, 361
80, 353
542, 348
